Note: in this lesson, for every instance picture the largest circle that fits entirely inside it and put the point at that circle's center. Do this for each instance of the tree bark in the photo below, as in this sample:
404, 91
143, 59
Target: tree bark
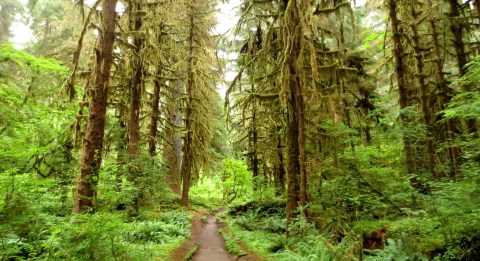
172, 135
187, 142
136, 85
280, 168
93, 142
452, 152
253, 136
152, 143
402, 88
293, 92
456, 28
423, 87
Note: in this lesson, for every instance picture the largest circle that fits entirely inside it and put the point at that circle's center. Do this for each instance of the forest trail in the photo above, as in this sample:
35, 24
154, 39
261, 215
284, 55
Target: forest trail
211, 245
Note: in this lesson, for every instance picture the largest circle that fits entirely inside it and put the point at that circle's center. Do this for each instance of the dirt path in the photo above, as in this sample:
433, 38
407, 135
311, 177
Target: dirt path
211, 245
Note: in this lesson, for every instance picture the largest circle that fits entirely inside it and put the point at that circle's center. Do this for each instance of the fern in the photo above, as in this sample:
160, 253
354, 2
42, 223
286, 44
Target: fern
398, 250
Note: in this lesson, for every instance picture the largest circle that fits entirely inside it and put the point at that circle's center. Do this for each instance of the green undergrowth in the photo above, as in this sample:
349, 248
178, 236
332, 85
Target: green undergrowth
257, 224
421, 233
261, 226
36, 224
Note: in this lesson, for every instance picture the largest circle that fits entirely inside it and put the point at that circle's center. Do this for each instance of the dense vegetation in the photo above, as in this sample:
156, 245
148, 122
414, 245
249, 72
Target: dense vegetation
347, 133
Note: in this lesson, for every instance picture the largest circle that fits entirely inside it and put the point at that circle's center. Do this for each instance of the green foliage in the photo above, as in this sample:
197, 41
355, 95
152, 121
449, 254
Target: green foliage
232, 242
170, 226
24, 60
398, 250
29, 209
128, 178
105, 236
259, 224
34, 121
313, 248
368, 187
465, 105
207, 193
35, 224
473, 73
372, 37
236, 180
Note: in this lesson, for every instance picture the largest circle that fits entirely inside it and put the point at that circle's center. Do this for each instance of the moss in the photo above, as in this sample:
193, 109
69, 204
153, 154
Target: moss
369, 226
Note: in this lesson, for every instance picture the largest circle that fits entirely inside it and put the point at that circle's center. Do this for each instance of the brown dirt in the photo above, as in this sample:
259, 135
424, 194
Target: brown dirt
212, 244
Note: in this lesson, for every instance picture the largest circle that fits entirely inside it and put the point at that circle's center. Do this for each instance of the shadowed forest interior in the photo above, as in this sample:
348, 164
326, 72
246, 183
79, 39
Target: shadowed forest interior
306, 130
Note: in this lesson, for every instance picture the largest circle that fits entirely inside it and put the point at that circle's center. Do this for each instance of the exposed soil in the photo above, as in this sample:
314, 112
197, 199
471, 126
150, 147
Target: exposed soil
211, 243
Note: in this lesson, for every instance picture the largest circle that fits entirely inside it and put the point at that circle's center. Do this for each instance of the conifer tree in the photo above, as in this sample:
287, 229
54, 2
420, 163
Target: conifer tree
93, 142
200, 68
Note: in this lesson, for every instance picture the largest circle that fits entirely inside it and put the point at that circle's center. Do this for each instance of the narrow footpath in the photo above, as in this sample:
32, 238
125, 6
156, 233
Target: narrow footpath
211, 245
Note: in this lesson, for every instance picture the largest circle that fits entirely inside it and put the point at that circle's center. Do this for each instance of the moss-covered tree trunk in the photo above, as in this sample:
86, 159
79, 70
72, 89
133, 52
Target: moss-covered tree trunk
453, 153
292, 95
93, 142
253, 138
279, 167
155, 109
172, 149
136, 83
398, 52
188, 142
423, 88
456, 28
152, 142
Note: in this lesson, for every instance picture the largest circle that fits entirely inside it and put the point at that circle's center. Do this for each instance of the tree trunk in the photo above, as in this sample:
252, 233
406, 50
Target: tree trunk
136, 86
253, 140
187, 143
292, 89
152, 143
93, 143
300, 108
280, 169
293, 153
402, 89
423, 87
456, 28
152, 146
443, 99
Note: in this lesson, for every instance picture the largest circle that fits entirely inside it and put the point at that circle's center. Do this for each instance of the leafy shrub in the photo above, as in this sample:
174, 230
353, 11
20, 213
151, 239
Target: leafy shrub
236, 180
207, 193
27, 214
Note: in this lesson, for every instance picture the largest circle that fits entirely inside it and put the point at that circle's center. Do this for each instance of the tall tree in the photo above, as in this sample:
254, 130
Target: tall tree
398, 51
443, 97
134, 11
293, 30
93, 142
201, 71
422, 85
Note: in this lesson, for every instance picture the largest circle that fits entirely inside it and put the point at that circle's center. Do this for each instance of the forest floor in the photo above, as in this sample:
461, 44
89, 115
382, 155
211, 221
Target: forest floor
206, 243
